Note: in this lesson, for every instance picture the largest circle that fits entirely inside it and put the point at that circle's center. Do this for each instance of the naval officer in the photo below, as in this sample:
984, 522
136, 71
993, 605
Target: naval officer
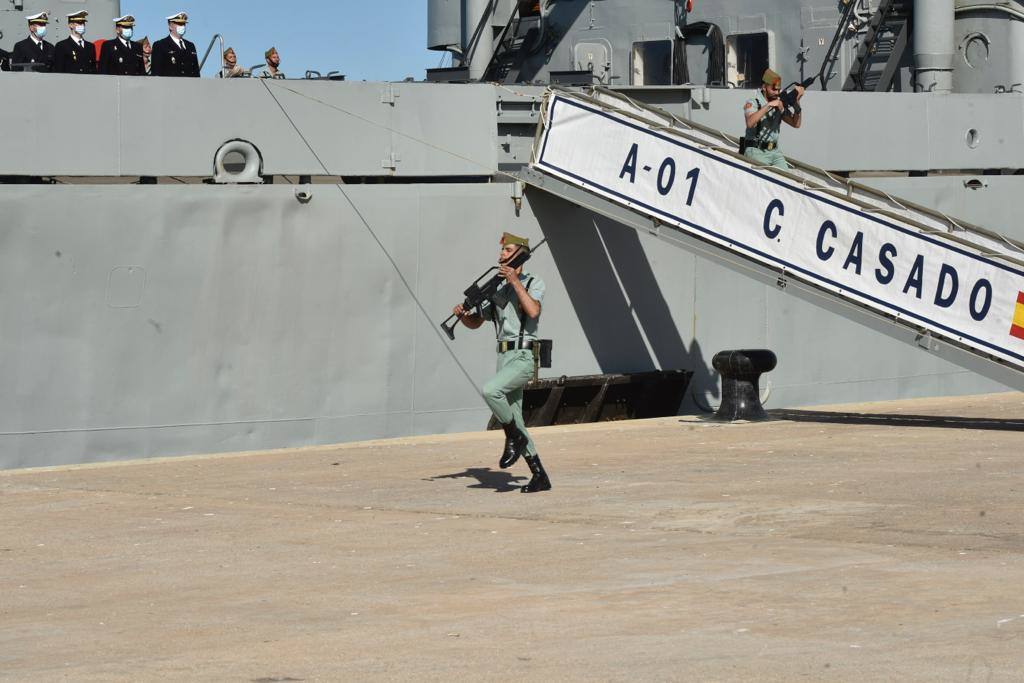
764, 114
173, 55
120, 56
75, 54
515, 311
35, 50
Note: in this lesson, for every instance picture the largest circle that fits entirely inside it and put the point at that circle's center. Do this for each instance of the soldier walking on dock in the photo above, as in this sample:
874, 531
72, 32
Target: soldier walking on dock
515, 311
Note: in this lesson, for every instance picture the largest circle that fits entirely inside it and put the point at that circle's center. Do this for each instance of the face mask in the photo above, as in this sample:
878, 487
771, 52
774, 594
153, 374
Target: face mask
80, 29
180, 30
40, 32
126, 33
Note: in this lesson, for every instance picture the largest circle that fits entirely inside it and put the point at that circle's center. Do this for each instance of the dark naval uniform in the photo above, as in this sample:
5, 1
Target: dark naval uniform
29, 52
71, 58
171, 60
121, 58
5, 57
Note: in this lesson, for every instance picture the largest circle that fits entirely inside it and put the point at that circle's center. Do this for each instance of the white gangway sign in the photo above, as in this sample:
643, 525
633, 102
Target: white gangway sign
967, 293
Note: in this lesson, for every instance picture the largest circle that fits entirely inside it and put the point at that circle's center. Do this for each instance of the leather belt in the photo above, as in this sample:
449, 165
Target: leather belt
514, 345
765, 146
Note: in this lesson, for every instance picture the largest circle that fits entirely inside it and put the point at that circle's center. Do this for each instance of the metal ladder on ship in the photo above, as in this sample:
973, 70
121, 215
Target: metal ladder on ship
508, 54
818, 185
882, 49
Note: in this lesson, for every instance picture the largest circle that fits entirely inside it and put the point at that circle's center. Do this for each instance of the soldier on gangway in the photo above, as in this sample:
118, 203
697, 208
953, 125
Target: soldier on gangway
764, 114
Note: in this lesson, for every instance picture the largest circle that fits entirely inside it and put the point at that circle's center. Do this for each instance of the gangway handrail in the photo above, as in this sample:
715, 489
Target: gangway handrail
216, 37
813, 177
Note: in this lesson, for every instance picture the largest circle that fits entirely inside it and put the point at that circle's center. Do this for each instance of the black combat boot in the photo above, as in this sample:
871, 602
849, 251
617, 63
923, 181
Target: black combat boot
515, 445
540, 481
509, 456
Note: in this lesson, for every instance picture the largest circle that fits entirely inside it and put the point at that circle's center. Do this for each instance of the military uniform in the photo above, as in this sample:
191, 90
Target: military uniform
119, 56
31, 50
276, 73
516, 335
75, 54
762, 141
175, 56
73, 57
5, 64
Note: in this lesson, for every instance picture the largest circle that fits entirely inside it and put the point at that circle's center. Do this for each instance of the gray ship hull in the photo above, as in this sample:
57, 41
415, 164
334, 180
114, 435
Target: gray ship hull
225, 318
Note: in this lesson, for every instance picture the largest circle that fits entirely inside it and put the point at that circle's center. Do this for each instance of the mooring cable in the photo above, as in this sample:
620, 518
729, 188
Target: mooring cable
384, 250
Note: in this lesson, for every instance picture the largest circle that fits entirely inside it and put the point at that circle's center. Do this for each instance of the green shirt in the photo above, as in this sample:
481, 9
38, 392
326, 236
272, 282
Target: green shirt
767, 129
504, 311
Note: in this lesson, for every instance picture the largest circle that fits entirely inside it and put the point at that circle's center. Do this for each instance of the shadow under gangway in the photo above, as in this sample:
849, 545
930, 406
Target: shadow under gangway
594, 255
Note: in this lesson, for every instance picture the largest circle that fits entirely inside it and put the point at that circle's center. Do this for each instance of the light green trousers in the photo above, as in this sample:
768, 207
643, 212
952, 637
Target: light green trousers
504, 392
766, 158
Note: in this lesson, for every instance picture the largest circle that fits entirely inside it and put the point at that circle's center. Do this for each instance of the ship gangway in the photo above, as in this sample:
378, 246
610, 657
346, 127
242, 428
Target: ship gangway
949, 288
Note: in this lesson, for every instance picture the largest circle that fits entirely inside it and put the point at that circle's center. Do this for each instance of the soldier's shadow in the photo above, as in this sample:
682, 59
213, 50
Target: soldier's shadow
486, 478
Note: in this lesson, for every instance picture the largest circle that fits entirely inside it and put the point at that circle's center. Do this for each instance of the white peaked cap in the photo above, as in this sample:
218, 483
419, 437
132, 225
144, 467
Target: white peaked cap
45, 16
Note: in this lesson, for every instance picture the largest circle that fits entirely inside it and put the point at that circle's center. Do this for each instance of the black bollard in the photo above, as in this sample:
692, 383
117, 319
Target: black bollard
741, 370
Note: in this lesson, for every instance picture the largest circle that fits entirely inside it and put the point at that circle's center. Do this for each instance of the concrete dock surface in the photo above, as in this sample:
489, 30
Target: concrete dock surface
873, 542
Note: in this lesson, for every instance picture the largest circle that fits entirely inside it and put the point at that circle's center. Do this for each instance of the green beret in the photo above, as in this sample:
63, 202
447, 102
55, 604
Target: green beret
771, 78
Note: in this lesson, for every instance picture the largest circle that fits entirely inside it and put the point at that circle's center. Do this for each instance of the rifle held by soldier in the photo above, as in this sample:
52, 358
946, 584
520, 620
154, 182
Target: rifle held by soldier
476, 294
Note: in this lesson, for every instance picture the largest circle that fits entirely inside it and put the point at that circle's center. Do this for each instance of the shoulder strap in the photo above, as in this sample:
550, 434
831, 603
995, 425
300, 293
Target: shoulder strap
494, 319
522, 313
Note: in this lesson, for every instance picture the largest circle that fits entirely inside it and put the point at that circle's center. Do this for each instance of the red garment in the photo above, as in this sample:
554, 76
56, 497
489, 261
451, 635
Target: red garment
99, 44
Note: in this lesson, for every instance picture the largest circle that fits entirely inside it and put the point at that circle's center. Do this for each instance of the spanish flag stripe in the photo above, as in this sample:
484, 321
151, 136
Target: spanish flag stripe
1020, 298
1017, 331
1018, 315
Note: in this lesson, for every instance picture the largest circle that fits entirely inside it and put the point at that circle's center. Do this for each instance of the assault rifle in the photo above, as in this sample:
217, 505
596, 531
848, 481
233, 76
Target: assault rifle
476, 294
788, 96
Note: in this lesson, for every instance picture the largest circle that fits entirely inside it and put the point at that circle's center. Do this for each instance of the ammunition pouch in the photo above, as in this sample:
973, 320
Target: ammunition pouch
541, 356
542, 353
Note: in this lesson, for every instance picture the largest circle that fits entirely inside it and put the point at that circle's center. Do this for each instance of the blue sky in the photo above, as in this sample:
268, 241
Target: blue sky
363, 39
